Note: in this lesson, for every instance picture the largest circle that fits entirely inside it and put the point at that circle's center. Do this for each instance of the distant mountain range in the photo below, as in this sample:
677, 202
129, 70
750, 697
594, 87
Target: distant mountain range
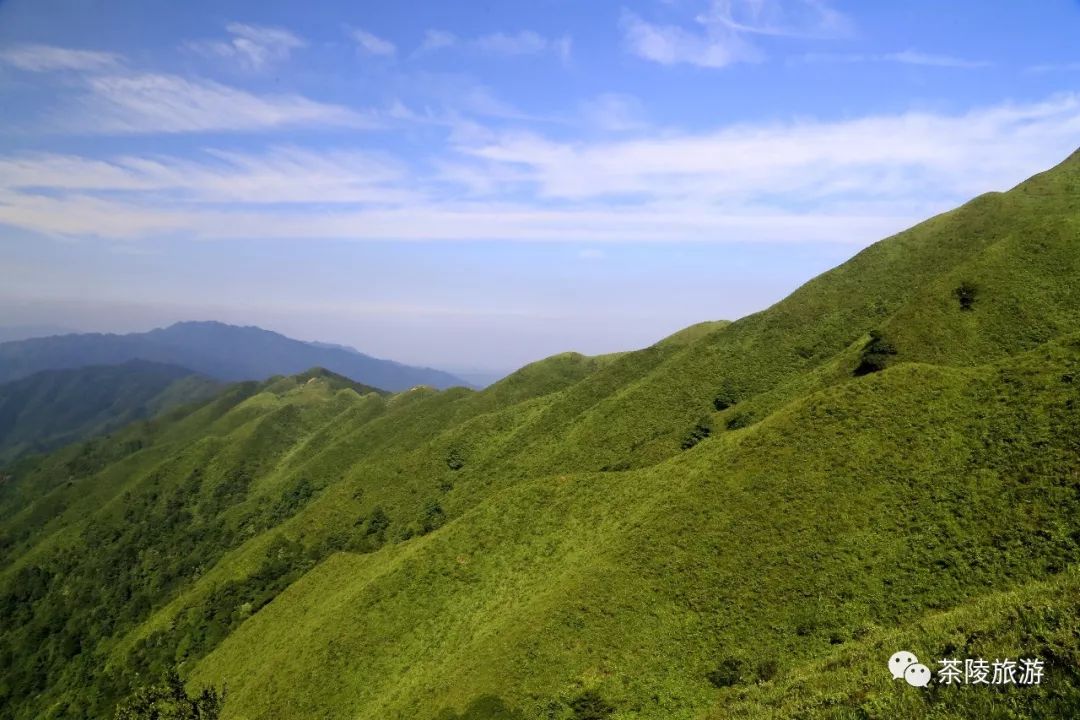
52, 408
220, 351
10, 333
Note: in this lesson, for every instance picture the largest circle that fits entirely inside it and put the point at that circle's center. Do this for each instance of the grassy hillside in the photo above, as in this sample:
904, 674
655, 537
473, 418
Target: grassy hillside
744, 520
56, 407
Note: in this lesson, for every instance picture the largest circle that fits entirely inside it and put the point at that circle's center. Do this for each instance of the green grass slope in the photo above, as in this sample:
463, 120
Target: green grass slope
57, 407
738, 521
821, 526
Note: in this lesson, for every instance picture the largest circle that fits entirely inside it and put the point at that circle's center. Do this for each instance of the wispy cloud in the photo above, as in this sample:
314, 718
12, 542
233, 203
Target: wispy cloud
906, 57
848, 181
437, 40
46, 58
160, 103
279, 175
781, 18
673, 45
524, 42
912, 57
255, 47
614, 112
1055, 67
906, 157
723, 32
371, 44
112, 98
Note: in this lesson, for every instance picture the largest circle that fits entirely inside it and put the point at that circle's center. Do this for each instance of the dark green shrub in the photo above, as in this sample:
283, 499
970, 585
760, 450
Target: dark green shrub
767, 669
729, 672
726, 397
696, 434
965, 294
434, 517
454, 459
292, 499
740, 420
590, 706
168, 700
808, 620
875, 354
378, 522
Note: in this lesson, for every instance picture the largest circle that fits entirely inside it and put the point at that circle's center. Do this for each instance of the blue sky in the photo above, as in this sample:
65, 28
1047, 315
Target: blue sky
480, 184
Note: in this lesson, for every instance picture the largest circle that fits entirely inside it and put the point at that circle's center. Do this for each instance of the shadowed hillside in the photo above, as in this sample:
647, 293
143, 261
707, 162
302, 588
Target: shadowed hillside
56, 407
744, 520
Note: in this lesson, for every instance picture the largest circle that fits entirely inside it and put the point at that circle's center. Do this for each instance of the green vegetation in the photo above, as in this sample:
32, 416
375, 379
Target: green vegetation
875, 354
739, 523
965, 294
57, 407
170, 701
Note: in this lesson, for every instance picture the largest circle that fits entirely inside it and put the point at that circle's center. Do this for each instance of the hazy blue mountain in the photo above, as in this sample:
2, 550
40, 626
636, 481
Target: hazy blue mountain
221, 351
9, 333
55, 407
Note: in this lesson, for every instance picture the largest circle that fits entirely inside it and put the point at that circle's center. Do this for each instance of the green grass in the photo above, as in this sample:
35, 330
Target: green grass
555, 542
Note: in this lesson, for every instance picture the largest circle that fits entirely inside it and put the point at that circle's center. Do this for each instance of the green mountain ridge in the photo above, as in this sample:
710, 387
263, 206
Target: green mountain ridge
743, 520
53, 408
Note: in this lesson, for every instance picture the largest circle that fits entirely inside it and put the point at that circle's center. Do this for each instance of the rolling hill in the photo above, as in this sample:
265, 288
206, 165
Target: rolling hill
55, 407
744, 520
223, 352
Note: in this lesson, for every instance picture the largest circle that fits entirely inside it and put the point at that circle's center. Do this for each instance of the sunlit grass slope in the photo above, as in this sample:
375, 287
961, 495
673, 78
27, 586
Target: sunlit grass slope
869, 506
737, 521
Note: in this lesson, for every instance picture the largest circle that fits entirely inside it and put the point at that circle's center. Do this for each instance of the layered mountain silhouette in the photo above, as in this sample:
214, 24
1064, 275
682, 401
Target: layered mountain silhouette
217, 350
745, 520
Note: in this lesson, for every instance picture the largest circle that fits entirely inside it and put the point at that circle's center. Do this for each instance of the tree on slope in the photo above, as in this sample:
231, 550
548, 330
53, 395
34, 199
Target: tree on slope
168, 700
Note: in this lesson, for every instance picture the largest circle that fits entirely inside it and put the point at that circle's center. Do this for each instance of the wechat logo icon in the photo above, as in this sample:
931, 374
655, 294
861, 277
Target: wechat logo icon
905, 665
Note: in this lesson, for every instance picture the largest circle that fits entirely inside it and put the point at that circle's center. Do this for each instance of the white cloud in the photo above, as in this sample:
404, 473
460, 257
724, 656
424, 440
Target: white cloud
437, 40
1055, 67
906, 57
256, 47
82, 215
912, 57
783, 18
111, 98
723, 33
523, 43
160, 103
371, 44
899, 156
672, 45
46, 58
280, 175
852, 181
614, 112
563, 48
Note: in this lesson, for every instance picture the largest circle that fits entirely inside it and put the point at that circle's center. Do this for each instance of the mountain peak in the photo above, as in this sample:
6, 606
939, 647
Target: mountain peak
217, 350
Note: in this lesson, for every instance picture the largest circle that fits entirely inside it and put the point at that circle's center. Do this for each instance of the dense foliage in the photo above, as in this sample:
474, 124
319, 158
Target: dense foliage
168, 700
53, 408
